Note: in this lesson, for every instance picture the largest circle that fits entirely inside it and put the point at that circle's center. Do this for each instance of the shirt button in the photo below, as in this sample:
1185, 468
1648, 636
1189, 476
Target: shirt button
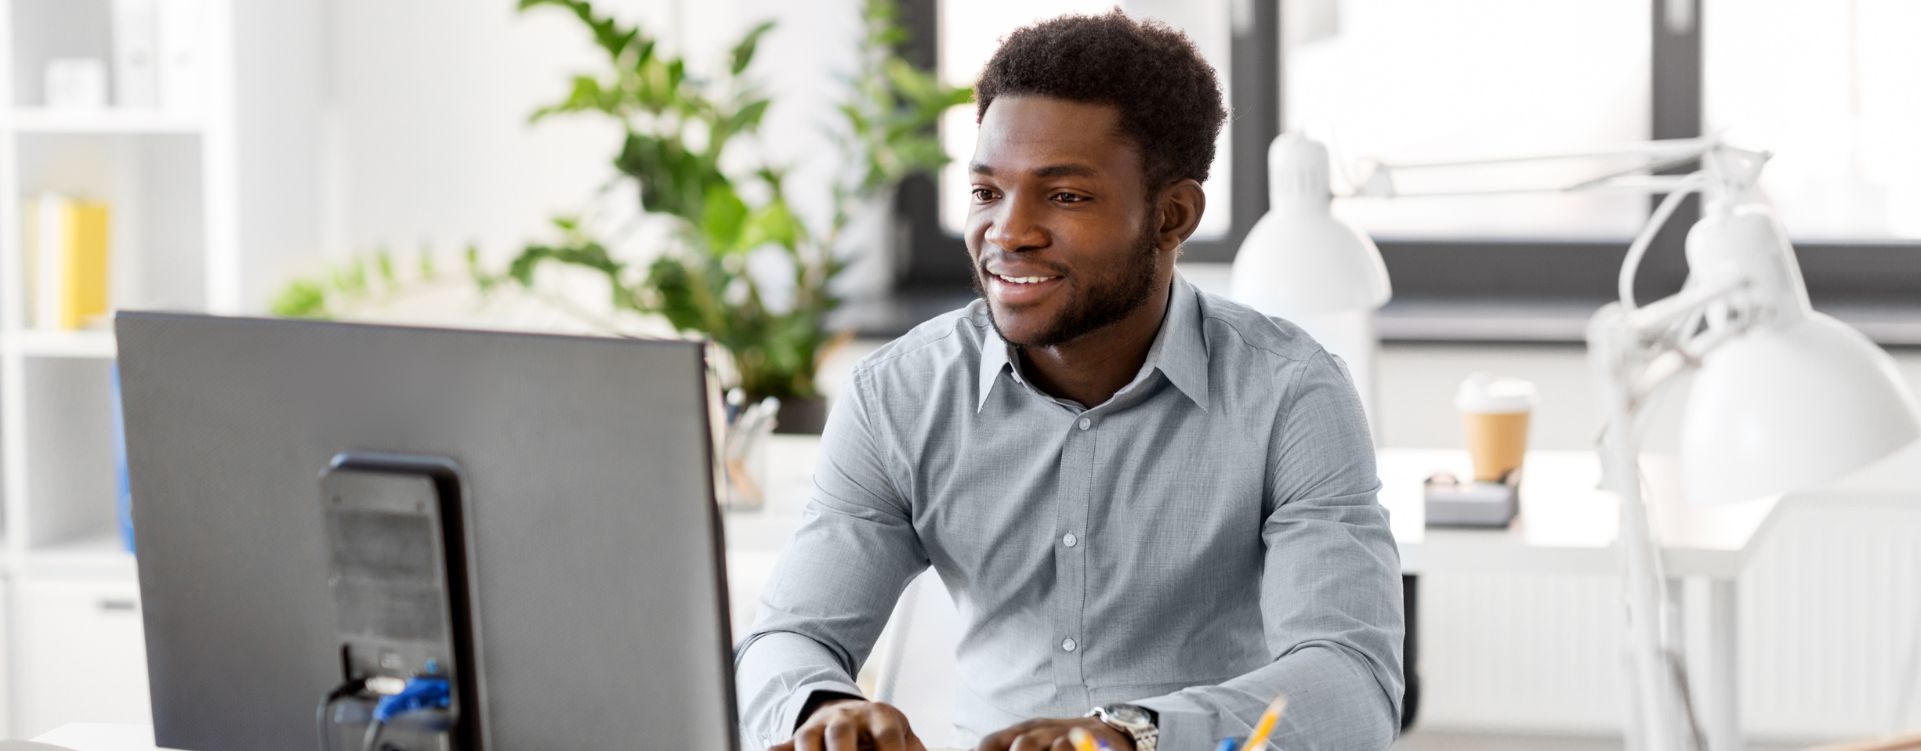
1086, 423
1070, 540
1068, 645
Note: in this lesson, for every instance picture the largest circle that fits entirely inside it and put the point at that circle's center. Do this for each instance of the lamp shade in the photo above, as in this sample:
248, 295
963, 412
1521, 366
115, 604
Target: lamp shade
1790, 407
1299, 260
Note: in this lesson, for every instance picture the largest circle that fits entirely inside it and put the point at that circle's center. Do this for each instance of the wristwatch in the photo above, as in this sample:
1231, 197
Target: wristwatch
1137, 722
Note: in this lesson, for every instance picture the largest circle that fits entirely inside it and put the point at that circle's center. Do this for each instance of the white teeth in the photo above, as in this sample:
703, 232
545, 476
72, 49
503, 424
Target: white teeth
1025, 279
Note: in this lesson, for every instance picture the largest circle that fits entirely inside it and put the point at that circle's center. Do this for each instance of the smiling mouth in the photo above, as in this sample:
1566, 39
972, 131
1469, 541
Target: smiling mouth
1022, 279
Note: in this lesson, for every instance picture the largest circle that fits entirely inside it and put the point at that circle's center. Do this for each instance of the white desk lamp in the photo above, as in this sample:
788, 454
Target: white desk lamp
1304, 265
1783, 397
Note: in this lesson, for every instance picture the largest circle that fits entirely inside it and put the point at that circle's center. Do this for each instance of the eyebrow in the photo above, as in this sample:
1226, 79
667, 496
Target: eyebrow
1052, 170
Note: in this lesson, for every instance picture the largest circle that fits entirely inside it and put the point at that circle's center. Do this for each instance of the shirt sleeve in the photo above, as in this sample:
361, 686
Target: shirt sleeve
836, 583
1330, 591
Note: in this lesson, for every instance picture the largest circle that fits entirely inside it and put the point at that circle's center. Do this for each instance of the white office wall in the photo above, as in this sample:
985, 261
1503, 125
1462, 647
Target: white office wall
279, 109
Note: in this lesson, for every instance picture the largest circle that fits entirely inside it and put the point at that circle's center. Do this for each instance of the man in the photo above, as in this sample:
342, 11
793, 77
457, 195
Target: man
1154, 509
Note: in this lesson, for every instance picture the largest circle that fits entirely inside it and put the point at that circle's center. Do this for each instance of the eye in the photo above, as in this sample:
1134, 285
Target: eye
983, 195
1065, 197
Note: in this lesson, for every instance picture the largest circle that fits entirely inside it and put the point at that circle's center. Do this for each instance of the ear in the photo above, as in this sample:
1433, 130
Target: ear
1181, 204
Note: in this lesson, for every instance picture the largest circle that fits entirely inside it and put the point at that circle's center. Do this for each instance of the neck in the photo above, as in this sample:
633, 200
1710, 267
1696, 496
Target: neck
1090, 368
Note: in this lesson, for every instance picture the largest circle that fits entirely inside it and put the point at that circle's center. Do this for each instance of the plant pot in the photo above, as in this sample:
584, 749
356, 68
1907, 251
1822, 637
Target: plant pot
801, 416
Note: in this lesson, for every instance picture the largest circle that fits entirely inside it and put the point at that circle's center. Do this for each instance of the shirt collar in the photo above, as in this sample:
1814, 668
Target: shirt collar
1179, 351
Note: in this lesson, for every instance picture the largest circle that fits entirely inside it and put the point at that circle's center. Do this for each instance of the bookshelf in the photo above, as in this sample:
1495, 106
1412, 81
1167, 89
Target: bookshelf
189, 184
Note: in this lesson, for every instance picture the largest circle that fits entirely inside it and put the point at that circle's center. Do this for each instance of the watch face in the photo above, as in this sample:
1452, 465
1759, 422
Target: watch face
1128, 714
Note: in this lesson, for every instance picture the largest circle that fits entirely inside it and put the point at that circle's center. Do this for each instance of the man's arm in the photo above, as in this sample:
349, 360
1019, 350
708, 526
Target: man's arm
836, 583
1330, 591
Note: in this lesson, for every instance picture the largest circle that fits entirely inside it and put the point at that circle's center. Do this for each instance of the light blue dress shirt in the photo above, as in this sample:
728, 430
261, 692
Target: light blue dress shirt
1204, 540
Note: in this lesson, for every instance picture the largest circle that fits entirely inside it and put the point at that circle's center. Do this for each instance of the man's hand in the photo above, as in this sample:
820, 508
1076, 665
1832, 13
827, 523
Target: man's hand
853, 725
1051, 735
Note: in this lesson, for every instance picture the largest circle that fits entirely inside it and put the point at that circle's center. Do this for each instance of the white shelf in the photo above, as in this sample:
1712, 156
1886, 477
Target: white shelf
93, 556
98, 345
102, 121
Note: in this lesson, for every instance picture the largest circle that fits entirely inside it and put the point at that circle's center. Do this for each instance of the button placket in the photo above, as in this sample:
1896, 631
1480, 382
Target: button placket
1078, 475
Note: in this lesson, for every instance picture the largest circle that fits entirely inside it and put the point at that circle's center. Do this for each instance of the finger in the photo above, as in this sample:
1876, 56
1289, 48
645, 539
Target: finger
782, 746
888, 732
843, 733
1039, 740
998, 741
1061, 744
808, 738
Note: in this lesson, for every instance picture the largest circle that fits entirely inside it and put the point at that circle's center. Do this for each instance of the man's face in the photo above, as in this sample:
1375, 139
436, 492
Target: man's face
1063, 239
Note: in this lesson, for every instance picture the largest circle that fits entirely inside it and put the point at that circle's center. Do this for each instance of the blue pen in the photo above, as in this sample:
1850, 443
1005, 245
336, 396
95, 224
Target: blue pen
1227, 744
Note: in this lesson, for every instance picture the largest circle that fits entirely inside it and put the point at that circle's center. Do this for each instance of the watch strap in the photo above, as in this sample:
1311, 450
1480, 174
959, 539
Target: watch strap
1146, 736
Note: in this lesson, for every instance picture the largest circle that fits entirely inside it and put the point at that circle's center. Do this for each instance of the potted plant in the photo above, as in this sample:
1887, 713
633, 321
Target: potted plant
678, 133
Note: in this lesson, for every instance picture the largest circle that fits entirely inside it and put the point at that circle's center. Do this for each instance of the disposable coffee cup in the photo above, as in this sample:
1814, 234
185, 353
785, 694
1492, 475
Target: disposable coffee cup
1495, 413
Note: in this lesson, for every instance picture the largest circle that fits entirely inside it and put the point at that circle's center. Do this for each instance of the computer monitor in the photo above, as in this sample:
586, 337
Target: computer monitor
582, 481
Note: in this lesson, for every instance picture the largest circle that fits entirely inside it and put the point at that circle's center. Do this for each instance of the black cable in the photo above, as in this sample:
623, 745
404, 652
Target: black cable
325, 728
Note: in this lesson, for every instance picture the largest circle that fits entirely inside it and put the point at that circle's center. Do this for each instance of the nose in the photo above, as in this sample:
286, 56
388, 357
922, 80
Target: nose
1012, 228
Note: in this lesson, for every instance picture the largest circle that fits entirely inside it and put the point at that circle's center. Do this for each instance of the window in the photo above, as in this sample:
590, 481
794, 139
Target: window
1827, 86
1416, 80
1834, 90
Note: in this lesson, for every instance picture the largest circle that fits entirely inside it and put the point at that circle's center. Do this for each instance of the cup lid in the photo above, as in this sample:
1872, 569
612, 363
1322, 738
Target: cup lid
1483, 392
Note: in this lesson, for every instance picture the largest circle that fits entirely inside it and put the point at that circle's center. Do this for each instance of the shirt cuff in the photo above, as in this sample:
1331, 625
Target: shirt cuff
1180, 729
790, 714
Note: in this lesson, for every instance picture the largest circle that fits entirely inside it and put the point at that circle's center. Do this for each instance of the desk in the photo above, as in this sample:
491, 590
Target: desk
1567, 526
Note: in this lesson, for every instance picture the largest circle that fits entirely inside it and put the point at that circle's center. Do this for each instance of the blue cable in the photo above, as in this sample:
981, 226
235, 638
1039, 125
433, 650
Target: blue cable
422, 692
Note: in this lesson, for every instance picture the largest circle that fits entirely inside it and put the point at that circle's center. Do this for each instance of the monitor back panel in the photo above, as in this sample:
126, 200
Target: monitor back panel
597, 565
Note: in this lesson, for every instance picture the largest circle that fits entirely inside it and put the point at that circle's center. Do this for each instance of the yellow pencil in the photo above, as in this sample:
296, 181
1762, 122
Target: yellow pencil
1083, 740
1265, 728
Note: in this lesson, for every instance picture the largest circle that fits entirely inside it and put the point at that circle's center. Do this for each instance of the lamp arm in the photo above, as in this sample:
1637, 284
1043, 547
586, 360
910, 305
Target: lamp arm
1664, 149
1654, 343
1645, 239
1731, 170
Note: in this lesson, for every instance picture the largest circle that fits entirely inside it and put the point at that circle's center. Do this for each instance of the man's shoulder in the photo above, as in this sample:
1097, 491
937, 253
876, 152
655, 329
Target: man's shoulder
949, 342
1235, 328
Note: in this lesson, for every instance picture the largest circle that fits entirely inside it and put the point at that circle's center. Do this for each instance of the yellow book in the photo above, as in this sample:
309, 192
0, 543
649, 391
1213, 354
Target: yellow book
83, 282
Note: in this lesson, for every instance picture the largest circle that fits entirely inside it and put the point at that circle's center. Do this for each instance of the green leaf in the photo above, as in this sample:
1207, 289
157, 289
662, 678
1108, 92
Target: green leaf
773, 223
427, 270
482, 279
611, 37
586, 94
747, 118
743, 53
723, 218
384, 261
676, 73
301, 299
674, 286
913, 84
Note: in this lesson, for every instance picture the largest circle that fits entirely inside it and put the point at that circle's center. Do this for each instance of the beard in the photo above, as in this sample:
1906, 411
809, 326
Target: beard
1102, 302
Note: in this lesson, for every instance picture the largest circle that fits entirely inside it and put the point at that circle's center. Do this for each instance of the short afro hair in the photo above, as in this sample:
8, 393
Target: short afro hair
1169, 100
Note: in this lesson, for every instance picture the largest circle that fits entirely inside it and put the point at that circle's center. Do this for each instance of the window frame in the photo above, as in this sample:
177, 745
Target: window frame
1505, 274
